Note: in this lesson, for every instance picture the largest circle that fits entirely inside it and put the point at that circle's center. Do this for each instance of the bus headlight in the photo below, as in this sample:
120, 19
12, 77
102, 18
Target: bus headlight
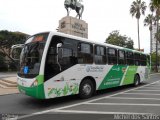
35, 83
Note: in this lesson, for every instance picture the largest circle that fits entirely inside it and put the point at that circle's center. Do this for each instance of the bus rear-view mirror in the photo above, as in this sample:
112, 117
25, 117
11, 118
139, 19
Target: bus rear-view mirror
16, 51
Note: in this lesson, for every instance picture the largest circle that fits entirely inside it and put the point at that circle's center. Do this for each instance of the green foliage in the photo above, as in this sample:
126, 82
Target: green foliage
156, 2
3, 66
138, 7
120, 40
153, 61
7, 39
153, 58
149, 20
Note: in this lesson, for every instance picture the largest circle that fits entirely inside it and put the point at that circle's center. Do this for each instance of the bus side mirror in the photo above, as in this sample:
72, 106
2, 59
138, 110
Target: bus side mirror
16, 51
59, 45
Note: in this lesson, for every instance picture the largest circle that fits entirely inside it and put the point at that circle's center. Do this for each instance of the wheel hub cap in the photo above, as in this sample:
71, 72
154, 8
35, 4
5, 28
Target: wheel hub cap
87, 89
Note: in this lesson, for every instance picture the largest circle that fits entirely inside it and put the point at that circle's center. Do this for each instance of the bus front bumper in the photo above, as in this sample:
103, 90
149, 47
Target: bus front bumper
36, 92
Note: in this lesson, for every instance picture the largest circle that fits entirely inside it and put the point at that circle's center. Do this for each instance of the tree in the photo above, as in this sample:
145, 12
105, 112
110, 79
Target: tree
3, 66
7, 39
137, 8
148, 21
155, 6
154, 62
116, 39
156, 2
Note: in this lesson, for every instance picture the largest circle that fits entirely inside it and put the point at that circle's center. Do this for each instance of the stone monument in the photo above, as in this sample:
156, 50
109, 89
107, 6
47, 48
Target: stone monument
73, 25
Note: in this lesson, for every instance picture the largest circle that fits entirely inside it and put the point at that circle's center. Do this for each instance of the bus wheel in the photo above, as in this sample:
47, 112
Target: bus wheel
136, 80
86, 89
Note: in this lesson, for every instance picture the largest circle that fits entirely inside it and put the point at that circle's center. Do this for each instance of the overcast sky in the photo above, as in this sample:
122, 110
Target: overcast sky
102, 16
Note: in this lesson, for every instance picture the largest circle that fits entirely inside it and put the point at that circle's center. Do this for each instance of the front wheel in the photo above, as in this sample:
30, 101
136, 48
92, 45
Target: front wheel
86, 89
136, 80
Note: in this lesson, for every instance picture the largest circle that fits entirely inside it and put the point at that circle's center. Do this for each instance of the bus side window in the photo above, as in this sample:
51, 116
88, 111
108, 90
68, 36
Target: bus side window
143, 60
100, 55
85, 53
68, 53
136, 59
148, 60
121, 57
129, 58
112, 56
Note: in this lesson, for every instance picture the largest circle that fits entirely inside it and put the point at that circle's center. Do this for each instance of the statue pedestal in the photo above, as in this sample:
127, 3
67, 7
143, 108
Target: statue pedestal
73, 26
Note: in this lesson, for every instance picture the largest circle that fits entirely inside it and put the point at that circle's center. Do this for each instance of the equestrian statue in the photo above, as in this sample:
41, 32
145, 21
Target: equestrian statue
74, 5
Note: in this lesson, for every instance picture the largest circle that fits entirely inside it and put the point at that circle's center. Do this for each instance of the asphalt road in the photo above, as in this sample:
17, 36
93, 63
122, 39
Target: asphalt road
138, 103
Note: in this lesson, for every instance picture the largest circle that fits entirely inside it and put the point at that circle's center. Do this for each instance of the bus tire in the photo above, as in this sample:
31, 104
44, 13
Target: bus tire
86, 89
136, 80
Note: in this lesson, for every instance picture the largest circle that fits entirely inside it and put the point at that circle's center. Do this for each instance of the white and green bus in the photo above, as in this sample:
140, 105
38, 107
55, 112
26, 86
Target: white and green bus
54, 64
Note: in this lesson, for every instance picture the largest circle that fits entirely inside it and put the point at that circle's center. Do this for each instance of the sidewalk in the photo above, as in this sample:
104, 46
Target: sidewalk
4, 91
8, 83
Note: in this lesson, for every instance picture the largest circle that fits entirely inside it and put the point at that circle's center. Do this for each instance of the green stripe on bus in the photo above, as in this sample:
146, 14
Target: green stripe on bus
114, 77
129, 77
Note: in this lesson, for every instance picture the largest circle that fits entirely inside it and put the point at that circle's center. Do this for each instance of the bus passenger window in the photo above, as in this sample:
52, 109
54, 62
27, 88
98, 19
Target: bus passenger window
85, 53
112, 56
137, 59
129, 58
143, 60
121, 57
100, 55
148, 60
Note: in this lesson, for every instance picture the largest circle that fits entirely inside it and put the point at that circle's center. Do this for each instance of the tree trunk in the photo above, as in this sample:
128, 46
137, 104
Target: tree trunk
150, 41
138, 34
157, 46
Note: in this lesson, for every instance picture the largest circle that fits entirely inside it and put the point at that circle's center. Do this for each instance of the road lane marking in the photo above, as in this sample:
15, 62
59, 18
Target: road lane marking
146, 90
105, 96
129, 104
140, 94
154, 74
68, 106
151, 87
155, 86
101, 112
134, 98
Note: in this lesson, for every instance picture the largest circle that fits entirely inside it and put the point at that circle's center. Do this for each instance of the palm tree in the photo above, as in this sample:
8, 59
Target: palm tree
137, 8
148, 21
151, 7
156, 7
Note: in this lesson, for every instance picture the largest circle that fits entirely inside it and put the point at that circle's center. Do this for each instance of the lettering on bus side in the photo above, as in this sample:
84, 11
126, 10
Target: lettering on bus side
94, 68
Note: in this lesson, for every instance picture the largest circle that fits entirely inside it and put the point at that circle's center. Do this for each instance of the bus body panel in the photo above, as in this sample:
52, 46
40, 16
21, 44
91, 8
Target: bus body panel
68, 82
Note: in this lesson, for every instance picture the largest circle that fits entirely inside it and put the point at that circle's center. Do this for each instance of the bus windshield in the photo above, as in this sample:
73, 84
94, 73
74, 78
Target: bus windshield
31, 55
